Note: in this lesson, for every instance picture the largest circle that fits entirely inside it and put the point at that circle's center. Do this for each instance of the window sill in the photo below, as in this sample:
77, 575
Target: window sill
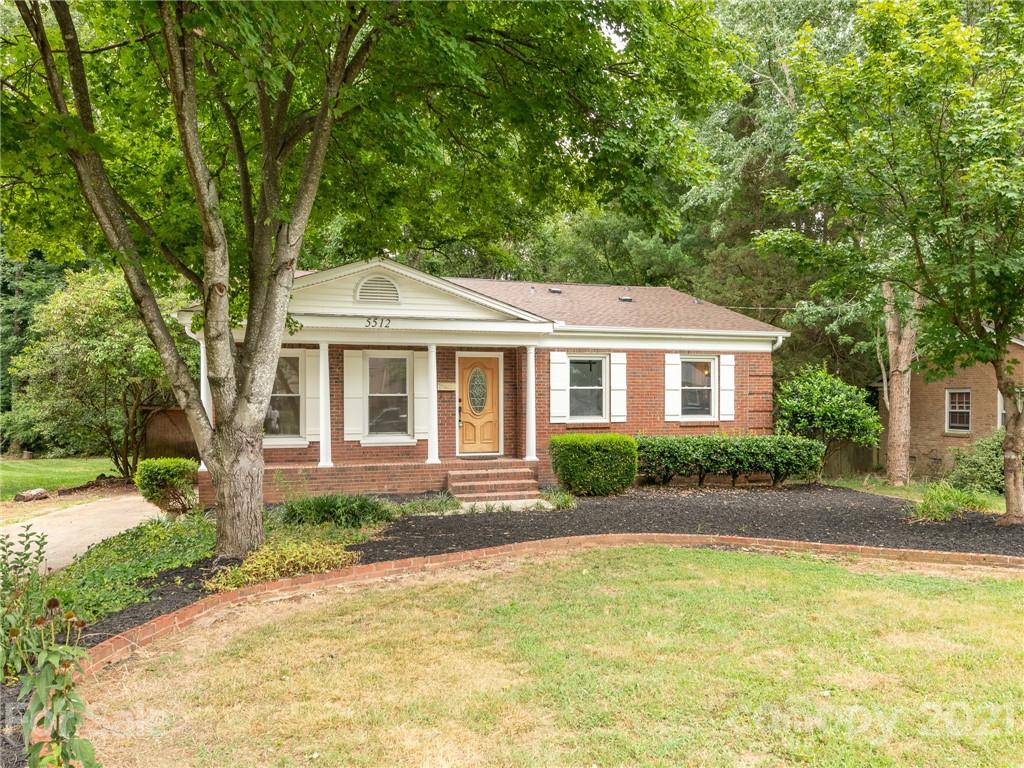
370, 440
285, 442
957, 433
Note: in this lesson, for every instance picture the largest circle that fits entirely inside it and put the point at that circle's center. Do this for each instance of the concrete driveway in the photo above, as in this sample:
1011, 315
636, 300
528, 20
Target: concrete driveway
71, 530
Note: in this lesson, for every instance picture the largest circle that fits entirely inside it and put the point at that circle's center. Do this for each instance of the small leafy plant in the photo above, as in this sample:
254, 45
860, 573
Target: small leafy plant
559, 498
339, 509
168, 483
38, 645
279, 558
943, 502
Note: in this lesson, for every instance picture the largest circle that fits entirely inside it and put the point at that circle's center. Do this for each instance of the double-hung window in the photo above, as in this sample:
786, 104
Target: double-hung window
284, 416
588, 388
958, 410
698, 376
388, 402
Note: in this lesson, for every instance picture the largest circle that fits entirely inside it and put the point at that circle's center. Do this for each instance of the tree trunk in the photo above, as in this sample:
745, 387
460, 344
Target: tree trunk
237, 475
1013, 446
901, 339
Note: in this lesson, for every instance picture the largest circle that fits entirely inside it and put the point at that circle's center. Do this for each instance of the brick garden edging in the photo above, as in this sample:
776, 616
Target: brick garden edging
121, 646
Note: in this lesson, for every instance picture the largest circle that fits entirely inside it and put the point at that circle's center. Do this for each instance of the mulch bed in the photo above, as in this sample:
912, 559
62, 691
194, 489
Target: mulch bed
172, 590
804, 513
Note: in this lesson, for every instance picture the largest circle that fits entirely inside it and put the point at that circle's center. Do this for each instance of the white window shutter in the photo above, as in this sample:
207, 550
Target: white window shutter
727, 388
354, 415
311, 385
559, 387
420, 391
618, 386
673, 385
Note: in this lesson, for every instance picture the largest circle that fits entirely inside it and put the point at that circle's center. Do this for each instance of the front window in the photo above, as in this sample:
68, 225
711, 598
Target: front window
284, 415
697, 395
958, 410
388, 395
587, 388
1000, 410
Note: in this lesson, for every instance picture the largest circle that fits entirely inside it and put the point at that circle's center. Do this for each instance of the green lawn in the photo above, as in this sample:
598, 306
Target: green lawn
20, 475
634, 656
913, 491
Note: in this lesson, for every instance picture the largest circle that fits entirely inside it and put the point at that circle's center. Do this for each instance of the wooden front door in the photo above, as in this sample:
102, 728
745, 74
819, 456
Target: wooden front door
479, 405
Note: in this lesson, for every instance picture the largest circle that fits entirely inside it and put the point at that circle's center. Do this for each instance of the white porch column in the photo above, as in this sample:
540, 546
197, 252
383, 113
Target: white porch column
325, 406
432, 439
531, 404
204, 390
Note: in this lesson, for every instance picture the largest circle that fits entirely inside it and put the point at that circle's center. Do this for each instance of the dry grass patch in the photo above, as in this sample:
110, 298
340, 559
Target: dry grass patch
633, 656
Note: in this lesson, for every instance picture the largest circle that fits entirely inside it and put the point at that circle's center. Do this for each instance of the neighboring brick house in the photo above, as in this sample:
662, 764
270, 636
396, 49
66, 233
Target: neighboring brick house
459, 383
954, 412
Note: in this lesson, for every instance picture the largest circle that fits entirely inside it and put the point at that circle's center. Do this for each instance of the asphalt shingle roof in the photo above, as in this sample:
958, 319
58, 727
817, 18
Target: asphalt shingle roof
602, 305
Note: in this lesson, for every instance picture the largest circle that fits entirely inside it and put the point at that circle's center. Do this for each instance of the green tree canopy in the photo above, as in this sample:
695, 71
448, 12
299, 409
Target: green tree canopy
92, 377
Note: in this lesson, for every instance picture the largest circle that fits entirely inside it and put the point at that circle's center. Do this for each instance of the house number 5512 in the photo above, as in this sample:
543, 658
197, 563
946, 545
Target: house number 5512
378, 322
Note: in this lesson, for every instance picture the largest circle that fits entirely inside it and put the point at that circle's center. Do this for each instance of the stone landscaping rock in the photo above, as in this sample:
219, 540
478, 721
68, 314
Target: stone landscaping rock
35, 494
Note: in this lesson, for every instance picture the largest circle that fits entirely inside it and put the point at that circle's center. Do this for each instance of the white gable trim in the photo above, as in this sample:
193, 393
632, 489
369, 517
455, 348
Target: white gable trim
438, 283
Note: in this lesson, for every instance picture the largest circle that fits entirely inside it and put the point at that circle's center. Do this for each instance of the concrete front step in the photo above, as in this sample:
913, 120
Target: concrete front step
462, 488
498, 498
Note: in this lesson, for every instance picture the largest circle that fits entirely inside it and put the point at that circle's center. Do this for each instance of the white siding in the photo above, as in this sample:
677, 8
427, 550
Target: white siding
337, 297
559, 400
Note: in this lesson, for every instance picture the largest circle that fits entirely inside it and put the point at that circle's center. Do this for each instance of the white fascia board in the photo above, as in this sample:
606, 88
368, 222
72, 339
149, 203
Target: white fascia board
668, 343
439, 283
691, 332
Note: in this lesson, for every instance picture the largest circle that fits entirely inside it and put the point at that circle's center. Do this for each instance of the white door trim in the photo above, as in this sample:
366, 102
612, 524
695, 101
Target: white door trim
501, 400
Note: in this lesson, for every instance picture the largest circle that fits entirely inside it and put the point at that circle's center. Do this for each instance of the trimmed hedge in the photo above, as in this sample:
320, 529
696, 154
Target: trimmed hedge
594, 465
778, 456
168, 483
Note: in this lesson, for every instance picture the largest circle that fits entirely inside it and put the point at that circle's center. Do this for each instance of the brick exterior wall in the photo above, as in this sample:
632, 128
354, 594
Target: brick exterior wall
402, 469
930, 443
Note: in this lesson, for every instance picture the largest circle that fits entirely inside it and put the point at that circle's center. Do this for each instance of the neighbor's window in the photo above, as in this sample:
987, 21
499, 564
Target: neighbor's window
587, 388
958, 410
1000, 410
284, 416
387, 391
698, 387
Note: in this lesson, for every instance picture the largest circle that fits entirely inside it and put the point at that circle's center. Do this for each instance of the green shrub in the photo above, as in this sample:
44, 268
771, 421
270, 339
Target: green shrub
980, 466
817, 405
339, 509
944, 502
594, 465
113, 574
280, 558
168, 483
779, 456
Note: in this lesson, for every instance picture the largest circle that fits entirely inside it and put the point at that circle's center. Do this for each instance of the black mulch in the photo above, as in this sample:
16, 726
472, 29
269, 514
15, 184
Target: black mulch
805, 513
172, 590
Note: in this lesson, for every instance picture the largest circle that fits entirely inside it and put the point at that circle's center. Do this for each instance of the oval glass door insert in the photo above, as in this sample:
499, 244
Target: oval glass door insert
477, 390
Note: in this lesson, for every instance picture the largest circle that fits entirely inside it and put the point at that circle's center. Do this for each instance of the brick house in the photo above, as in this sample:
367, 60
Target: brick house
400, 382
954, 412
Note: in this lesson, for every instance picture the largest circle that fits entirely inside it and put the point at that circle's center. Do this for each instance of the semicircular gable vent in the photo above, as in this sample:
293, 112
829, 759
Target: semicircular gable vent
378, 290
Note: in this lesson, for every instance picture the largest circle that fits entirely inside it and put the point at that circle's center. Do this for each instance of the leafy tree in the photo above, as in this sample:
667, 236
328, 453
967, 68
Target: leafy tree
915, 145
91, 374
23, 285
818, 405
200, 136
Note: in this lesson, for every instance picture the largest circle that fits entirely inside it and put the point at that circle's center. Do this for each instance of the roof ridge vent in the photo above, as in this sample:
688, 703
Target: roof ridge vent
552, 289
378, 289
